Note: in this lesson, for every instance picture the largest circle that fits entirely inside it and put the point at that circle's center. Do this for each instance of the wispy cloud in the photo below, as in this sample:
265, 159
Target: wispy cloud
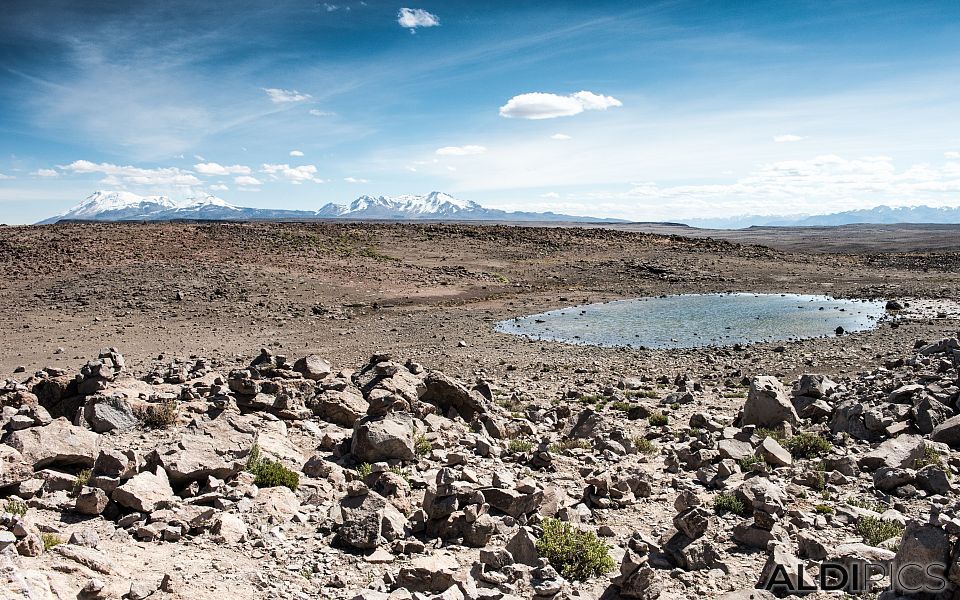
411, 18
46, 173
6, 177
213, 168
468, 150
128, 175
281, 96
355, 180
787, 137
296, 153
540, 105
246, 180
560, 136
294, 175
320, 113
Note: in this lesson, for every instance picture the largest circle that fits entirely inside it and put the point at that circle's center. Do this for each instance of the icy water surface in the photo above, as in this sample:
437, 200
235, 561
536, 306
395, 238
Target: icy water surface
694, 320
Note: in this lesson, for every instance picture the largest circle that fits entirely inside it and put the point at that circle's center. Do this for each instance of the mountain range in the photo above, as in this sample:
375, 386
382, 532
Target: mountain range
879, 215
126, 206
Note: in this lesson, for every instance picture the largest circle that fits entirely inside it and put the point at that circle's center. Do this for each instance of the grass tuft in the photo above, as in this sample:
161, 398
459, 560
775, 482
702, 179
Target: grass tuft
576, 554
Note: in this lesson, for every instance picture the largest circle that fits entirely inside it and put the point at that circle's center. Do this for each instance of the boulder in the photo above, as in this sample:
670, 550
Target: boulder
385, 438
429, 574
59, 443
767, 404
216, 448
763, 495
370, 520
814, 386
341, 408
948, 432
900, 452
926, 545
782, 560
735, 449
692, 522
228, 528
145, 491
447, 393
108, 412
277, 504
312, 367
13, 469
774, 454
513, 502
91, 501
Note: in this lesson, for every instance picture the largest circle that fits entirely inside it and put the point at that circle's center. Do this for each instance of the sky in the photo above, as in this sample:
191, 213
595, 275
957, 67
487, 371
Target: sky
641, 110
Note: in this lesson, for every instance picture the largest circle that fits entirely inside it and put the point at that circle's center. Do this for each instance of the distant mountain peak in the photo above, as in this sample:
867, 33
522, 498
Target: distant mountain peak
127, 206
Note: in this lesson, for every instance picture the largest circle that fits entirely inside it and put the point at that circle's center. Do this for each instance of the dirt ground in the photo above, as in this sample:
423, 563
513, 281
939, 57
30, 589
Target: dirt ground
347, 290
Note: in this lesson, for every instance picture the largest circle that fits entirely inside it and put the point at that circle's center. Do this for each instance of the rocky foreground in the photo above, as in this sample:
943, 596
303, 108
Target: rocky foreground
291, 479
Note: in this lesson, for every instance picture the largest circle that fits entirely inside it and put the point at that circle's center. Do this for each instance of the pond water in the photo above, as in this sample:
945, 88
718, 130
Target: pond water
696, 320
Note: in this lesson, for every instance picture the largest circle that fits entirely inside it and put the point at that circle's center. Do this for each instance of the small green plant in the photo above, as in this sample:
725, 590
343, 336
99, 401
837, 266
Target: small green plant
875, 531
865, 504
823, 509
270, 473
808, 445
364, 469
520, 446
932, 457
160, 415
641, 394
675, 406
16, 506
49, 540
695, 432
590, 398
658, 420
621, 406
728, 503
83, 478
750, 463
645, 446
569, 444
777, 434
576, 554
421, 445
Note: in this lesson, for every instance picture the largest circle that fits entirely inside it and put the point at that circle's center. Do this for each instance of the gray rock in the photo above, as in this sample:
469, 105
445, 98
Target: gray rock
144, 492
774, 454
429, 574
814, 386
108, 412
930, 413
925, 545
386, 438
91, 501
370, 520
343, 408
735, 449
947, 432
447, 393
888, 479
13, 469
780, 556
767, 404
312, 367
513, 502
692, 522
58, 443
760, 493
522, 547
900, 452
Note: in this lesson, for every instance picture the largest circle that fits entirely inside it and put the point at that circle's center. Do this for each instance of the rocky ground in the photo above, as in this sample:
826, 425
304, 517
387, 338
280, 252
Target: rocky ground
387, 444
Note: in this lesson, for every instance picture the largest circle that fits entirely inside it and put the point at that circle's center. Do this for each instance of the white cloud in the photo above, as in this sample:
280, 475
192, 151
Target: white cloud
355, 180
294, 175
46, 173
219, 187
218, 169
280, 96
320, 113
129, 175
411, 18
550, 195
5, 177
296, 153
560, 136
330, 7
952, 154
540, 105
469, 150
787, 137
246, 180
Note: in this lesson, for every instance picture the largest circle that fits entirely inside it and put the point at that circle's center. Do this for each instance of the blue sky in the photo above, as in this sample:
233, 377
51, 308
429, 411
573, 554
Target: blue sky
643, 110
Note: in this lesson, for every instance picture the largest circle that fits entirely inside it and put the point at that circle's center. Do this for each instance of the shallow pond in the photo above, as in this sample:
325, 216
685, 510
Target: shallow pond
695, 320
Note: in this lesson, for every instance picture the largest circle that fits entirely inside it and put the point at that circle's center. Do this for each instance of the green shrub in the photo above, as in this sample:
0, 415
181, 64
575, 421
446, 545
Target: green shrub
823, 509
724, 503
520, 446
875, 531
645, 446
865, 504
658, 419
16, 506
576, 554
641, 394
675, 406
621, 406
932, 457
270, 473
50, 540
569, 444
421, 445
808, 445
749, 463
777, 434
83, 478
364, 469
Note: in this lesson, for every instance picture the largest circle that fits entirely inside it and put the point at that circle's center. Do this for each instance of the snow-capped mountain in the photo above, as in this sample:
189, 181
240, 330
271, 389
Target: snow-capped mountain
126, 206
